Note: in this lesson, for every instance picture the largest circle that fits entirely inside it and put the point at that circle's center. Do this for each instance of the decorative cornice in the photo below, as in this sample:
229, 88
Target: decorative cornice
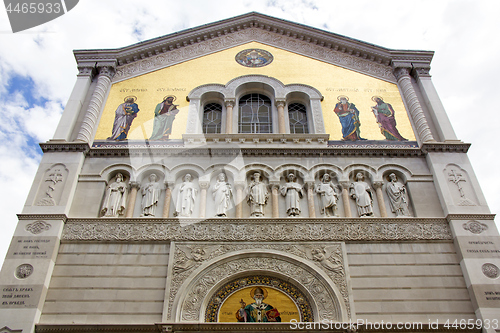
266, 230
63, 146
441, 147
319, 44
451, 217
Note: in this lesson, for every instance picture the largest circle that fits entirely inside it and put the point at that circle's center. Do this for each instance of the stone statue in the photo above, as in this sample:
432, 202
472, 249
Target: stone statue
328, 196
186, 198
398, 197
115, 198
363, 194
257, 196
292, 191
150, 195
222, 193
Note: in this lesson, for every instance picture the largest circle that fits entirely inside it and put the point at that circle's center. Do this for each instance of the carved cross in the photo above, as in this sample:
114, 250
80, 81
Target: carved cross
457, 178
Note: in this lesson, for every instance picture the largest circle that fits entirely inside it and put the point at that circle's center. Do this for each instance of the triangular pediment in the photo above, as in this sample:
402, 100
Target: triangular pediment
168, 50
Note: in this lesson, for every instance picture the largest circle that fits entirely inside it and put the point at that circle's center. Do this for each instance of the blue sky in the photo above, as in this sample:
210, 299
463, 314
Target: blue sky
38, 70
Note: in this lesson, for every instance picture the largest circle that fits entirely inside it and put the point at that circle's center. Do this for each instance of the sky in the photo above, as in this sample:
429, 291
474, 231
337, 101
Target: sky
38, 70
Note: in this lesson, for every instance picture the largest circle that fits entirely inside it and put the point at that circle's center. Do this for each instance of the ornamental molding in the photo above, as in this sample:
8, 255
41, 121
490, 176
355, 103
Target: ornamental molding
451, 217
53, 146
441, 147
61, 217
475, 227
191, 289
266, 230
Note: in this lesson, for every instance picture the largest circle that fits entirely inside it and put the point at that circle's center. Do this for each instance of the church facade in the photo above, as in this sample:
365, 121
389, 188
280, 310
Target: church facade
253, 174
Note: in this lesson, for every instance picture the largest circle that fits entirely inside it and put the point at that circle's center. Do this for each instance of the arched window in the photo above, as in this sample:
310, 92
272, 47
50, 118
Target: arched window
297, 115
255, 114
212, 118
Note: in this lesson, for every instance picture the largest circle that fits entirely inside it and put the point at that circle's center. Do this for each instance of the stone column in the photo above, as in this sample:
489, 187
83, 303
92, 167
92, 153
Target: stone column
229, 114
417, 114
239, 198
86, 72
280, 104
345, 198
106, 73
203, 198
310, 199
275, 186
168, 199
380, 198
134, 188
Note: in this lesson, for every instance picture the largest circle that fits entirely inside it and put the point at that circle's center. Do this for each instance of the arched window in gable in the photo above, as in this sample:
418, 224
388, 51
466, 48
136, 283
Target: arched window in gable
212, 118
297, 116
255, 114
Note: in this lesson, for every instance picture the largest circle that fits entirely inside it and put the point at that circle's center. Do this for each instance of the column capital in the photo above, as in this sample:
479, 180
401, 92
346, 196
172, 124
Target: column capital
135, 185
107, 68
239, 185
204, 184
345, 184
421, 71
169, 184
378, 184
310, 184
229, 102
280, 102
274, 185
401, 71
86, 69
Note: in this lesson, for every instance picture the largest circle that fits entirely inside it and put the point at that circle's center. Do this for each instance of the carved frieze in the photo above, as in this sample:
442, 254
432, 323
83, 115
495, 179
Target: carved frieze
37, 227
475, 227
262, 230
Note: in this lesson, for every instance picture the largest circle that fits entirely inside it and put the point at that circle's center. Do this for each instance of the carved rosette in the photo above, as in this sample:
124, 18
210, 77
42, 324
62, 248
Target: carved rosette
475, 227
37, 227
491, 270
23, 271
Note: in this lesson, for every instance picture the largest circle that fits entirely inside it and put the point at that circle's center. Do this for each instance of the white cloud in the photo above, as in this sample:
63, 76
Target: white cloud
462, 33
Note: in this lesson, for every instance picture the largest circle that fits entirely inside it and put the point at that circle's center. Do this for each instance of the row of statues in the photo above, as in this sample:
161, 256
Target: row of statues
257, 196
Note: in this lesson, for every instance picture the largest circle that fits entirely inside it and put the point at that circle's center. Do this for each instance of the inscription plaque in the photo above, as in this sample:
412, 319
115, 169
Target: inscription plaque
20, 296
31, 247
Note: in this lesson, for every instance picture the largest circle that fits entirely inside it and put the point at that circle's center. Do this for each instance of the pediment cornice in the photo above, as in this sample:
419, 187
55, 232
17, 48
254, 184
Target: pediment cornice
157, 53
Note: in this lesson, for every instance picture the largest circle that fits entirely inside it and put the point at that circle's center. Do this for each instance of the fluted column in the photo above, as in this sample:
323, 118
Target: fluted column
380, 198
310, 199
168, 199
239, 198
345, 198
106, 73
280, 105
275, 198
417, 114
134, 188
229, 114
203, 198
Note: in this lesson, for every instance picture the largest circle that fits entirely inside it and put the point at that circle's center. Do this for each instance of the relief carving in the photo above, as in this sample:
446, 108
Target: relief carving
491, 270
398, 196
460, 180
328, 195
475, 227
257, 196
115, 198
55, 179
363, 194
37, 227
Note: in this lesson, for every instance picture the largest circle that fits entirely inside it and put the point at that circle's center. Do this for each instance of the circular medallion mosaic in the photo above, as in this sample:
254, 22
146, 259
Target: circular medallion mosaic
258, 299
23, 271
254, 58
491, 270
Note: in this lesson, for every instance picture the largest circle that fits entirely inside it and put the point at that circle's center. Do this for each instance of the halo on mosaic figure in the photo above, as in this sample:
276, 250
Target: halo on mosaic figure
134, 98
342, 96
173, 96
264, 291
374, 98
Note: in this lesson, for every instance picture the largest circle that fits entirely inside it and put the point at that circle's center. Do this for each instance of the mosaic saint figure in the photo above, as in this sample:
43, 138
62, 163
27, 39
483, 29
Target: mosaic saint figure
363, 194
124, 115
222, 193
257, 312
164, 117
349, 119
398, 197
292, 191
186, 198
115, 198
150, 195
328, 196
257, 196
384, 113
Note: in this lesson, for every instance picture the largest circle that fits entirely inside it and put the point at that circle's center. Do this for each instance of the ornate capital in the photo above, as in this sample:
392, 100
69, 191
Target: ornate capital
378, 185
86, 69
274, 185
135, 185
169, 184
204, 185
280, 103
400, 72
239, 185
230, 102
107, 69
345, 185
310, 184
421, 71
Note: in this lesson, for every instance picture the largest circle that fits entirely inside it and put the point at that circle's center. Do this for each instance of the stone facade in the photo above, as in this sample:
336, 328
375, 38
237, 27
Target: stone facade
141, 232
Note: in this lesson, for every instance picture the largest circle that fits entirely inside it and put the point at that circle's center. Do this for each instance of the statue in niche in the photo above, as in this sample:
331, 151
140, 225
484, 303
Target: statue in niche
150, 195
257, 312
257, 196
398, 197
292, 191
363, 194
328, 195
115, 198
222, 193
186, 198
124, 116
